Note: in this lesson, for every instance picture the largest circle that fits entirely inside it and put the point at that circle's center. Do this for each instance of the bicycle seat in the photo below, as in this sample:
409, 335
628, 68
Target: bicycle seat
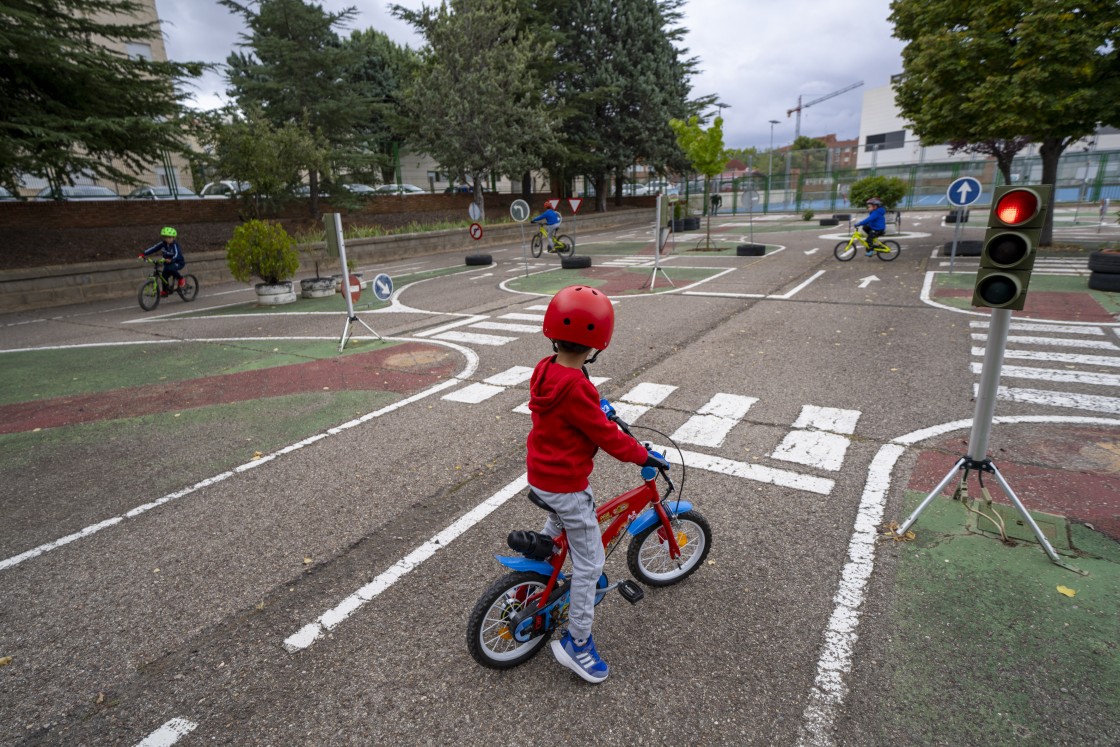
536, 500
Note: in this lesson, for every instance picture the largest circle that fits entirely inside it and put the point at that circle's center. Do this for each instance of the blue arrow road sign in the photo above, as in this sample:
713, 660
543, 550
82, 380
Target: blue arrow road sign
383, 287
964, 191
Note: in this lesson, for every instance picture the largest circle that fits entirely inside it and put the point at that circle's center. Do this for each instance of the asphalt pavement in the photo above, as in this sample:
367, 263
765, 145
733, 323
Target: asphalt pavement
219, 529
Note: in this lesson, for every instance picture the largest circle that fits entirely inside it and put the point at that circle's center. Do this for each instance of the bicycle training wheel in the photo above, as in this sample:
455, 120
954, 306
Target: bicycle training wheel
536, 245
188, 290
149, 295
894, 248
569, 246
489, 638
648, 555
845, 250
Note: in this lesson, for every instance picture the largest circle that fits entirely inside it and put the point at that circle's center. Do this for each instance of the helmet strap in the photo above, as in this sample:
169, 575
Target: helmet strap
592, 358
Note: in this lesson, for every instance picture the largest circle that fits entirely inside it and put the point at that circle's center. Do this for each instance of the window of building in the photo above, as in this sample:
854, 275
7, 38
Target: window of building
138, 51
885, 141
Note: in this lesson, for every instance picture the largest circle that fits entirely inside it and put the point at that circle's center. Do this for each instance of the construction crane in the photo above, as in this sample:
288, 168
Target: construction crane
826, 97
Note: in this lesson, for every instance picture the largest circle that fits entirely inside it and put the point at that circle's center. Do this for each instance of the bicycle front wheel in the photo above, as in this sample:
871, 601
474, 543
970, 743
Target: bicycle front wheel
536, 245
489, 637
569, 246
648, 555
893, 250
149, 295
845, 250
189, 289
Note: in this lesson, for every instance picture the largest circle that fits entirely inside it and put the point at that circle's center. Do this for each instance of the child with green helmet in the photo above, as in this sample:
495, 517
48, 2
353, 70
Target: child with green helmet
173, 254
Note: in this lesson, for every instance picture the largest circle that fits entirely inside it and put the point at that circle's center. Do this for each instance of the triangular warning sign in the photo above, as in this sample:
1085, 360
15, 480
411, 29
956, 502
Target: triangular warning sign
574, 203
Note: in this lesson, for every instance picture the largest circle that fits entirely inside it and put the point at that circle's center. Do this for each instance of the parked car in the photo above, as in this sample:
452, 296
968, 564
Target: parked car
634, 190
161, 192
78, 192
362, 190
304, 190
224, 189
6, 196
663, 187
399, 189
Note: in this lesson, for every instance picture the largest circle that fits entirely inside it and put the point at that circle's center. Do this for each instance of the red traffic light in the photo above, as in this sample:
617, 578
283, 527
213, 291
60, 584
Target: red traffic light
1016, 207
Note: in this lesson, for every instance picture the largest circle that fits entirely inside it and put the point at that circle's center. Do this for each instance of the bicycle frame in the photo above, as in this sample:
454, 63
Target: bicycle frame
635, 510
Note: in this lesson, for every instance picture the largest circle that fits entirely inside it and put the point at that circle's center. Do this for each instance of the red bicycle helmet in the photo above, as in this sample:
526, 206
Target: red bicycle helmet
581, 315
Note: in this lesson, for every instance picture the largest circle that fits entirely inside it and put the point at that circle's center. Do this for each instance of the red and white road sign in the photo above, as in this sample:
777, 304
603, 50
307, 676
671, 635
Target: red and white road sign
355, 289
574, 203
552, 204
476, 231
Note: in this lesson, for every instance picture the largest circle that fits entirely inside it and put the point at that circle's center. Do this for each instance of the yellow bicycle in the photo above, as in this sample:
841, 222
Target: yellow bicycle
562, 244
884, 250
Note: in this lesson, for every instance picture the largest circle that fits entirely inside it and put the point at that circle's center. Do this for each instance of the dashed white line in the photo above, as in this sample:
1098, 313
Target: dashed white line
168, 734
712, 422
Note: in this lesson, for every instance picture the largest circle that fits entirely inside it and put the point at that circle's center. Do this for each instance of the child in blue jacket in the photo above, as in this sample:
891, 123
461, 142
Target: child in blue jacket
875, 224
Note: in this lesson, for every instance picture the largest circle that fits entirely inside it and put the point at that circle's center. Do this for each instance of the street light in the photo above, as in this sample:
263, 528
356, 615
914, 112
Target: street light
770, 161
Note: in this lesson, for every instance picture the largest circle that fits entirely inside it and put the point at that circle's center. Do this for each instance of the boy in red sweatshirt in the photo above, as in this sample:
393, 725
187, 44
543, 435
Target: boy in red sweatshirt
568, 430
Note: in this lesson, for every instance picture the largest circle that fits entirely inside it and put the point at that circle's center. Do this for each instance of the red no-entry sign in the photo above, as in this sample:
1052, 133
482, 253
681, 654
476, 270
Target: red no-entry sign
476, 231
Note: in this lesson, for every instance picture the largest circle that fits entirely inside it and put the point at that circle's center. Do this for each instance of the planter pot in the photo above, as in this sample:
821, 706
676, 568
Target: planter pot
317, 287
275, 295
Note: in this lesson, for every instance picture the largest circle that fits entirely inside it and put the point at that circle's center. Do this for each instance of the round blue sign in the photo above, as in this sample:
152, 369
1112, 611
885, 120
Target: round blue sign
964, 191
383, 287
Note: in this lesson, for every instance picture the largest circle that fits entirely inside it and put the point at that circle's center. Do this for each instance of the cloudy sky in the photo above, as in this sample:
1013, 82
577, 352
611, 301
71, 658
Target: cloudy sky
758, 56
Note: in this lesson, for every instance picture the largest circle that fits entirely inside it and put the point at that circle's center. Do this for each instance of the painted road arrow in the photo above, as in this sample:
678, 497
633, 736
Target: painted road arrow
864, 282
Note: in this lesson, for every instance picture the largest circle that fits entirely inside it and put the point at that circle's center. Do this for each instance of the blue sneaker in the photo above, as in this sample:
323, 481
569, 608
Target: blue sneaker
869, 253
583, 660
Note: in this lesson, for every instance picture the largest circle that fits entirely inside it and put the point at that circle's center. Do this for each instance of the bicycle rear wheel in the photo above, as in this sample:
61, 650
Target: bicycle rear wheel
845, 250
149, 294
189, 289
490, 640
536, 245
569, 246
893, 250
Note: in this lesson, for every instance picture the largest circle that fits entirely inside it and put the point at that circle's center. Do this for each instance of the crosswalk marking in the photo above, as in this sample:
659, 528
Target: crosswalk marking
640, 399
748, 471
827, 419
1065, 329
523, 317
491, 386
712, 422
822, 439
506, 327
1093, 402
1037, 355
474, 339
1056, 375
511, 377
1058, 342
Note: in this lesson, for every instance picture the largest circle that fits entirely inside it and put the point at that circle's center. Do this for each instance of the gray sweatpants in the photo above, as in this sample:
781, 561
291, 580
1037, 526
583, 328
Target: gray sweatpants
575, 514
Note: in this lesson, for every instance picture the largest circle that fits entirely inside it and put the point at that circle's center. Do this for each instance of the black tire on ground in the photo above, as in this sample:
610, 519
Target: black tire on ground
479, 259
829, 222
964, 248
1105, 263
692, 223
955, 214
575, 263
842, 216
1105, 281
750, 250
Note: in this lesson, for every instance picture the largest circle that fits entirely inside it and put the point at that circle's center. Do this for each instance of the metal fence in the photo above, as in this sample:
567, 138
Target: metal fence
1082, 177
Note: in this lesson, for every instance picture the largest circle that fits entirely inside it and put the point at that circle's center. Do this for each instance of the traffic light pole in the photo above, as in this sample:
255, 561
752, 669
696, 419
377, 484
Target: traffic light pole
976, 458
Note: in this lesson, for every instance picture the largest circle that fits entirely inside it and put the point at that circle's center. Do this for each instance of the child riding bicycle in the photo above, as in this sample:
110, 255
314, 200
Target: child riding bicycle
568, 429
173, 255
875, 224
552, 221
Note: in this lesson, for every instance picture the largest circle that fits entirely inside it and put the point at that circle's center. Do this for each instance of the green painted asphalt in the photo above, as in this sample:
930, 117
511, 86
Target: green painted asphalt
985, 648
1040, 283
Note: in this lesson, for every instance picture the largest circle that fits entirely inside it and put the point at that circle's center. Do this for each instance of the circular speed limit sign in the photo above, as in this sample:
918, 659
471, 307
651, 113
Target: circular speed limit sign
476, 231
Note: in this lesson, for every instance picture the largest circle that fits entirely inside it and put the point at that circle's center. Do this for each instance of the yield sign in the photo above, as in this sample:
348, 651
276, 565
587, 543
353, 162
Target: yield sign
552, 204
574, 203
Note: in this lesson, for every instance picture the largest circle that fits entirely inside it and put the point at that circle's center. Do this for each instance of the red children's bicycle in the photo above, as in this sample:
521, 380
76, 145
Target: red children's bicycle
517, 615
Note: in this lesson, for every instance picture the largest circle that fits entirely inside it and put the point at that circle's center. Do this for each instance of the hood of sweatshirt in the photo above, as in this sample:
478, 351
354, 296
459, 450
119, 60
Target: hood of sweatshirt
550, 384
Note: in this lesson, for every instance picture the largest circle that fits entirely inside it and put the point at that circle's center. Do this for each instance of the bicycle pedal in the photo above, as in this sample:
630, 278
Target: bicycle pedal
630, 591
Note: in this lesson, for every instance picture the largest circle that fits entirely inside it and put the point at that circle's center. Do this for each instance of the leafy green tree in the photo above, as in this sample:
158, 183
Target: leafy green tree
475, 105
1003, 151
1046, 70
70, 105
809, 155
299, 72
889, 189
705, 152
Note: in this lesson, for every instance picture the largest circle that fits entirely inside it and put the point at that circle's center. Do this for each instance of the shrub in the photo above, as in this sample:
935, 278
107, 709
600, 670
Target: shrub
889, 189
807, 215
263, 249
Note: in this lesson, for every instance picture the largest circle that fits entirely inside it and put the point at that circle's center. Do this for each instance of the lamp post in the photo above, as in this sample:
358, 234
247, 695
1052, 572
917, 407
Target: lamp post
770, 163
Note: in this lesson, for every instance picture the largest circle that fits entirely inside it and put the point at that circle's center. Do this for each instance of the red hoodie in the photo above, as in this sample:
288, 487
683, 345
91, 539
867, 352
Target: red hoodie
568, 430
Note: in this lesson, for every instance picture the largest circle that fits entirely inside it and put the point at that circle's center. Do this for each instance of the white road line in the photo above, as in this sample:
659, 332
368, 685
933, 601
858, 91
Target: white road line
524, 317
640, 399
747, 471
168, 734
1056, 375
829, 690
505, 327
1033, 327
472, 339
311, 632
814, 449
827, 419
1090, 402
468, 370
511, 376
712, 422
474, 393
1035, 355
1058, 342
450, 325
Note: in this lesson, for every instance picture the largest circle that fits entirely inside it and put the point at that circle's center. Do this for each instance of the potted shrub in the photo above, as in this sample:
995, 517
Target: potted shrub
318, 286
264, 249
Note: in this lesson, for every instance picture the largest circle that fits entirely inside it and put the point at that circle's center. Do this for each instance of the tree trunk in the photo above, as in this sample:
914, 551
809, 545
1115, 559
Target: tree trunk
313, 183
527, 186
1050, 151
600, 181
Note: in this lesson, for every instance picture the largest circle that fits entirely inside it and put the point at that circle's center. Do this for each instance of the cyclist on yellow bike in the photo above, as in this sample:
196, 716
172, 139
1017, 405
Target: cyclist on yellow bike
552, 221
875, 224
